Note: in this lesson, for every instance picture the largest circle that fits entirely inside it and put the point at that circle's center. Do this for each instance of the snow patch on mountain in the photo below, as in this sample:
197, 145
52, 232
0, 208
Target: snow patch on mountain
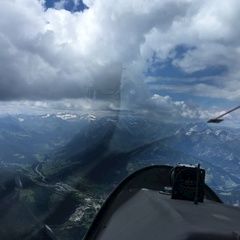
228, 182
46, 116
89, 117
218, 132
21, 119
66, 116
191, 131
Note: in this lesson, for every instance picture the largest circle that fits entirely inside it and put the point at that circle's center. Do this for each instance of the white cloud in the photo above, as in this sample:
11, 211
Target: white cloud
43, 107
179, 109
55, 54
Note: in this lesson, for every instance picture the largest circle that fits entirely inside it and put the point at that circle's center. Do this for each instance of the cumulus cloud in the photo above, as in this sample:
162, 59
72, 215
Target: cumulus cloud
56, 54
54, 106
50, 54
179, 109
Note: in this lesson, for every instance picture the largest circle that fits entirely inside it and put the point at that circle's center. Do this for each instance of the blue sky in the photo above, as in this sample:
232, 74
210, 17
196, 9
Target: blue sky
164, 74
69, 5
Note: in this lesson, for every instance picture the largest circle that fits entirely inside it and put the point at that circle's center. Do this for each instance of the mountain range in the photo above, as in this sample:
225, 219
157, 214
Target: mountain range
66, 164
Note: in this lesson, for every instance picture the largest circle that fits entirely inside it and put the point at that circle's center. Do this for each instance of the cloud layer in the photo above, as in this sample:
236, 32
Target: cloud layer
56, 54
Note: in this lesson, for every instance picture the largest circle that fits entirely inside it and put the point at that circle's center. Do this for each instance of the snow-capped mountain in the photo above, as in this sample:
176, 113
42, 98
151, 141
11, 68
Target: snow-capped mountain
115, 145
216, 145
24, 137
70, 116
111, 147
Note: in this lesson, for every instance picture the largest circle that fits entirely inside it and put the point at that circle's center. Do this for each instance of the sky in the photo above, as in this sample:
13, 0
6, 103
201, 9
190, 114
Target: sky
178, 57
